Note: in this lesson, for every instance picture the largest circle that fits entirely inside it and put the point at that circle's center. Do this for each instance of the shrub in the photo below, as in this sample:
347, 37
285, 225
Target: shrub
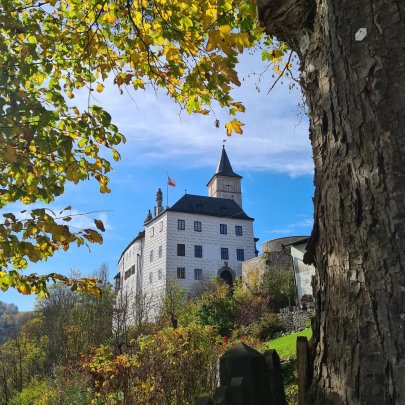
247, 339
37, 392
279, 284
250, 308
217, 308
266, 327
173, 306
71, 387
291, 394
173, 366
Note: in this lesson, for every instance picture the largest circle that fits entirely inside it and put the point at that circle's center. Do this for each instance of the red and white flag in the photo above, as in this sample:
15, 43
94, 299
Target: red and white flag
170, 181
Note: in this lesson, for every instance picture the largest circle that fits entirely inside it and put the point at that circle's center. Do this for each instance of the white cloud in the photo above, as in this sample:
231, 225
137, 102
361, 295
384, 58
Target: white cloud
303, 227
79, 219
82, 220
275, 138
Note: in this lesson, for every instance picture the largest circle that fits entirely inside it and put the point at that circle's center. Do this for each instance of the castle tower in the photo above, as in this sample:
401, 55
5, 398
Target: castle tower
159, 201
225, 183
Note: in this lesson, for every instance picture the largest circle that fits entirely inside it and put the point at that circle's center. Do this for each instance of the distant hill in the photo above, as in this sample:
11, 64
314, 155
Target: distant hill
10, 320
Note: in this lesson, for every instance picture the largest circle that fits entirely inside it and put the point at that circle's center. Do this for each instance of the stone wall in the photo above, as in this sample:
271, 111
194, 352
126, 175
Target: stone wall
294, 321
274, 257
253, 271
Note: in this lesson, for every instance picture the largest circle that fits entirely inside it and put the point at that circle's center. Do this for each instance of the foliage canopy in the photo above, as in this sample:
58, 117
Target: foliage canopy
52, 50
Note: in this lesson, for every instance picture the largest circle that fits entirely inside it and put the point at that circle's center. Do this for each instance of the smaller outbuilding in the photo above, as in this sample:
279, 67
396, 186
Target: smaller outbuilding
282, 254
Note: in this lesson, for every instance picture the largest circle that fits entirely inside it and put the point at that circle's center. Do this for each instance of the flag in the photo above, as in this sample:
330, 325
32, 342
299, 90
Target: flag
170, 181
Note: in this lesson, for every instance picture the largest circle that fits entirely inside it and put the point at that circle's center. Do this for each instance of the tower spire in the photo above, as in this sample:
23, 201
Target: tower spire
224, 167
225, 183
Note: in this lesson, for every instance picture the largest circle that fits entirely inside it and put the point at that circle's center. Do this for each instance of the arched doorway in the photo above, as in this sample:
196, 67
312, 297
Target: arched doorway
226, 274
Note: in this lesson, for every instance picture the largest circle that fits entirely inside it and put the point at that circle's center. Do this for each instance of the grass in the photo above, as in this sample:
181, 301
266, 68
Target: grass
286, 345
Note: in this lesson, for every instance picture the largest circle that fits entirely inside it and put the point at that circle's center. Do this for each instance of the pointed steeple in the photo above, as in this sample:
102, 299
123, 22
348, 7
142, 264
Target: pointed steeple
225, 183
224, 167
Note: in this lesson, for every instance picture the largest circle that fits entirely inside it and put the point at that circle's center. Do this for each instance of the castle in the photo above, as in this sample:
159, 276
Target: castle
197, 238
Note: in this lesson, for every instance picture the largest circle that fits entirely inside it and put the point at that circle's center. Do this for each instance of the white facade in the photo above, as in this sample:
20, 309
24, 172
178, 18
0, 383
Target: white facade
211, 241
155, 262
170, 251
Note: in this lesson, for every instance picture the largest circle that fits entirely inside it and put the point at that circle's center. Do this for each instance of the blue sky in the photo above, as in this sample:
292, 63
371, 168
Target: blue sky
273, 156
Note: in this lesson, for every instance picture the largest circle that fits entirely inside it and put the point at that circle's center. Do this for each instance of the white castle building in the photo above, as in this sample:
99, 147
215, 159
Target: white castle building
197, 238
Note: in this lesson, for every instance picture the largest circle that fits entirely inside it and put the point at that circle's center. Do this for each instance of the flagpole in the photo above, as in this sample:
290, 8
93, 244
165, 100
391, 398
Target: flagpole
167, 190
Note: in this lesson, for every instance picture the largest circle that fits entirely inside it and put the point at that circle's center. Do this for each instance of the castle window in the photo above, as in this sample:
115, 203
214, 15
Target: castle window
150, 278
238, 230
197, 251
160, 274
181, 272
197, 226
197, 274
127, 274
240, 255
181, 224
160, 226
160, 251
181, 249
224, 254
132, 270
117, 279
223, 229
151, 256
152, 231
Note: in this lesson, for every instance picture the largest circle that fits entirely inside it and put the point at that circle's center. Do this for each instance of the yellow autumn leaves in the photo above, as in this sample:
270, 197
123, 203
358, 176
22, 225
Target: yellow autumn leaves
226, 40
234, 126
190, 48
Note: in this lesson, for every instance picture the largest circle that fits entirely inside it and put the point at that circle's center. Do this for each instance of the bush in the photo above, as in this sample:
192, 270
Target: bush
172, 308
266, 327
279, 284
291, 394
71, 387
250, 308
173, 366
38, 392
217, 308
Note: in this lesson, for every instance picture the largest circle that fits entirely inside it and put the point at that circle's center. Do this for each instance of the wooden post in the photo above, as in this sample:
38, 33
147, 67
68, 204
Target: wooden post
302, 368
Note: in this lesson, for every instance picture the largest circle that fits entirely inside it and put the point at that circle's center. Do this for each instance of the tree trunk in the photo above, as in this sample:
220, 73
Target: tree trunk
355, 91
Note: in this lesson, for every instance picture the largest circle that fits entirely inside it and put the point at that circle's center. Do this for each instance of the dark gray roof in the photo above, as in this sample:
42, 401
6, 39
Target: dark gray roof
217, 207
137, 237
224, 167
298, 240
